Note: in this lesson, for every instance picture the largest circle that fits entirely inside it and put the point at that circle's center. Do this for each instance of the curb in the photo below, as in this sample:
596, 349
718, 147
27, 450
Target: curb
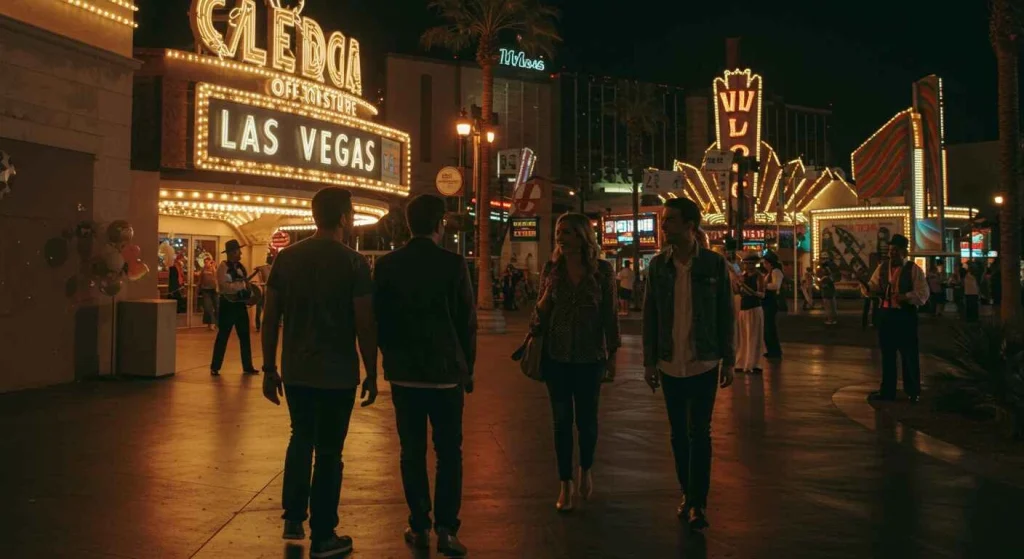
852, 401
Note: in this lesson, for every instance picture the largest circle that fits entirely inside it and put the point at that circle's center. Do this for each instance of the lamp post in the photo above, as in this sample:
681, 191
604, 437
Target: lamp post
466, 128
463, 127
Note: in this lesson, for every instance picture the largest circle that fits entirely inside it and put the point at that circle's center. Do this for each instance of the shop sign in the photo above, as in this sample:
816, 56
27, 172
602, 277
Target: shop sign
248, 133
524, 229
738, 112
293, 44
449, 181
856, 245
618, 230
517, 59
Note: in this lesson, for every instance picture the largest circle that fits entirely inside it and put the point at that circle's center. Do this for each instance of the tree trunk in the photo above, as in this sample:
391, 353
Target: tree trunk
636, 218
484, 295
1009, 146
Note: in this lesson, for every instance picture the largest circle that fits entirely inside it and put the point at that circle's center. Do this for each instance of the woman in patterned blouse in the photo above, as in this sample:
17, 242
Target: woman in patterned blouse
576, 315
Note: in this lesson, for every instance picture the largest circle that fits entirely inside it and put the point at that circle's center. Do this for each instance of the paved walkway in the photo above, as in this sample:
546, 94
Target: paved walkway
191, 467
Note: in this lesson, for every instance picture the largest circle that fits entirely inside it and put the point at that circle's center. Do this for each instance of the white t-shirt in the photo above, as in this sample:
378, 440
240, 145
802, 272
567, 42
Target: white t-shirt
626, 278
684, 345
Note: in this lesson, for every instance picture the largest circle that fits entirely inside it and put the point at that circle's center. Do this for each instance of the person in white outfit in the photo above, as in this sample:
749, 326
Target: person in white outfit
750, 343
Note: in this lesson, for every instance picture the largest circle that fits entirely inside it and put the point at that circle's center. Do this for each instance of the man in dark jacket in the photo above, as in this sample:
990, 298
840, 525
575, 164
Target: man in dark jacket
689, 346
427, 334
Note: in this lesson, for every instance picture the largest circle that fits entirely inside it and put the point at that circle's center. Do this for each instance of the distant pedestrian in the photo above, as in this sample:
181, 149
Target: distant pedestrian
936, 293
827, 285
262, 275
807, 288
323, 291
208, 293
903, 289
426, 316
689, 346
577, 318
772, 304
750, 342
626, 278
971, 295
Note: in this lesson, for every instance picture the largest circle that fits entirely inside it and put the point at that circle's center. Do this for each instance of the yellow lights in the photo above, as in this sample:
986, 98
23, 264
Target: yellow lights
305, 227
942, 144
918, 169
490, 136
283, 85
236, 208
998, 200
203, 160
738, 105
92, 8
313, 56
125, 5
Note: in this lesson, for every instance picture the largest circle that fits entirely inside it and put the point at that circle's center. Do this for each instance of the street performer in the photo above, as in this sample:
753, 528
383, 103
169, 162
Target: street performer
903, 288
235, 292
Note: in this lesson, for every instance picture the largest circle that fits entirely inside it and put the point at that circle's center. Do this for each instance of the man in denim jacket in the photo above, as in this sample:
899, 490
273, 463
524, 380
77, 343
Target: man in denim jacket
689, 346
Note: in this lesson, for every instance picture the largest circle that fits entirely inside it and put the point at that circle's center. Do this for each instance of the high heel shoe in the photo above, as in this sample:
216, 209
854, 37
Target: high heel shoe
564, 503
586, 488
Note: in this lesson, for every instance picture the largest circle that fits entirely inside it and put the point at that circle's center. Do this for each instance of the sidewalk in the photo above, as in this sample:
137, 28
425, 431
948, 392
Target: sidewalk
190, 467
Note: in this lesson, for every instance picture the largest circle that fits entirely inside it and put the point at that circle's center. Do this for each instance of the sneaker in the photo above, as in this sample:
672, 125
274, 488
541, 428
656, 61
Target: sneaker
293, 530
420, 539
448, 544
332, 546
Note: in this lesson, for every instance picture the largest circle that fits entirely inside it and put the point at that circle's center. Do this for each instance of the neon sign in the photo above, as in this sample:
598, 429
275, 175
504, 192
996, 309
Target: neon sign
738, 112
517, 59
295, 45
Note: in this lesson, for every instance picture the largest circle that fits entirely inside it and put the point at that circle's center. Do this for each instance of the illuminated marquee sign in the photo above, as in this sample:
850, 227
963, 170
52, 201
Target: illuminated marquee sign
738, 112
294, 45
618, 230
517, 59
524, 229
250, 133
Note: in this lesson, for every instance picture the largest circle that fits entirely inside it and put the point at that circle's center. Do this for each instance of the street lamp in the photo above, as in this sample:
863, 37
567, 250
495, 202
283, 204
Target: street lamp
998, 200
463, 126
490, 136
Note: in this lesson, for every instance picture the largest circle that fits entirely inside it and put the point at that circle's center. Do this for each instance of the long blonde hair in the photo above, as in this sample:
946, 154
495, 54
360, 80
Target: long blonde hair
590, 251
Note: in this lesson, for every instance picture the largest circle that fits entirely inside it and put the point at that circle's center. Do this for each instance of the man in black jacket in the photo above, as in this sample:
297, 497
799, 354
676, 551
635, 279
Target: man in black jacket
426, 315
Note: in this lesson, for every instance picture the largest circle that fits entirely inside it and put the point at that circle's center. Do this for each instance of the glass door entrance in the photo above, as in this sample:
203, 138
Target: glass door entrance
180, 277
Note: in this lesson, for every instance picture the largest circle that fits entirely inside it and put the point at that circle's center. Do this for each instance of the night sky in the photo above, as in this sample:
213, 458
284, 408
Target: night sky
859, 58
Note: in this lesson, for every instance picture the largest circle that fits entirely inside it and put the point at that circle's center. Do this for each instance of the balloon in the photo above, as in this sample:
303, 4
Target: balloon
136, 270
120, 232
111, 285
56, 251
113, 259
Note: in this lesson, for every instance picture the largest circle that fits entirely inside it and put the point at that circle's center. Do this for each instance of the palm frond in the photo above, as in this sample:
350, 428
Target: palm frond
486, 22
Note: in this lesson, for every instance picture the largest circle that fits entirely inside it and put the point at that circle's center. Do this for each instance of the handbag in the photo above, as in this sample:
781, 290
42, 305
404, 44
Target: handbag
529, 357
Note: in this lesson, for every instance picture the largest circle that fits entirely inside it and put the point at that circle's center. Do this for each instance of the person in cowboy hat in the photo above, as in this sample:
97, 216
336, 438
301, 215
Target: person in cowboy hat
903, 288
750, 340
234, 310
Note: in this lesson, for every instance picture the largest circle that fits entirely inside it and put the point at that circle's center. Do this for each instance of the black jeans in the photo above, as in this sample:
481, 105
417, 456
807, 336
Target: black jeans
771, 329
971, 308
870, 309
232, 315
574, 390
690, 402
897, 333
443, 407
320, 420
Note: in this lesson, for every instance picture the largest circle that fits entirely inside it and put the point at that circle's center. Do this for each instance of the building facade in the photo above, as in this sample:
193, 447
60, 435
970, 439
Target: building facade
242, 133
65, 117
426, 96
594, 146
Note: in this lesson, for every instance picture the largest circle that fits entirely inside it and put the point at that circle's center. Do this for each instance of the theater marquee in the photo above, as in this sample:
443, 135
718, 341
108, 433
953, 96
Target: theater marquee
242, 132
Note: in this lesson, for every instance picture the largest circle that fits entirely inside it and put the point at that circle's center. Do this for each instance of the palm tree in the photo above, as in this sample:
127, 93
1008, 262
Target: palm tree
1004, 31
640, 107
485, 24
